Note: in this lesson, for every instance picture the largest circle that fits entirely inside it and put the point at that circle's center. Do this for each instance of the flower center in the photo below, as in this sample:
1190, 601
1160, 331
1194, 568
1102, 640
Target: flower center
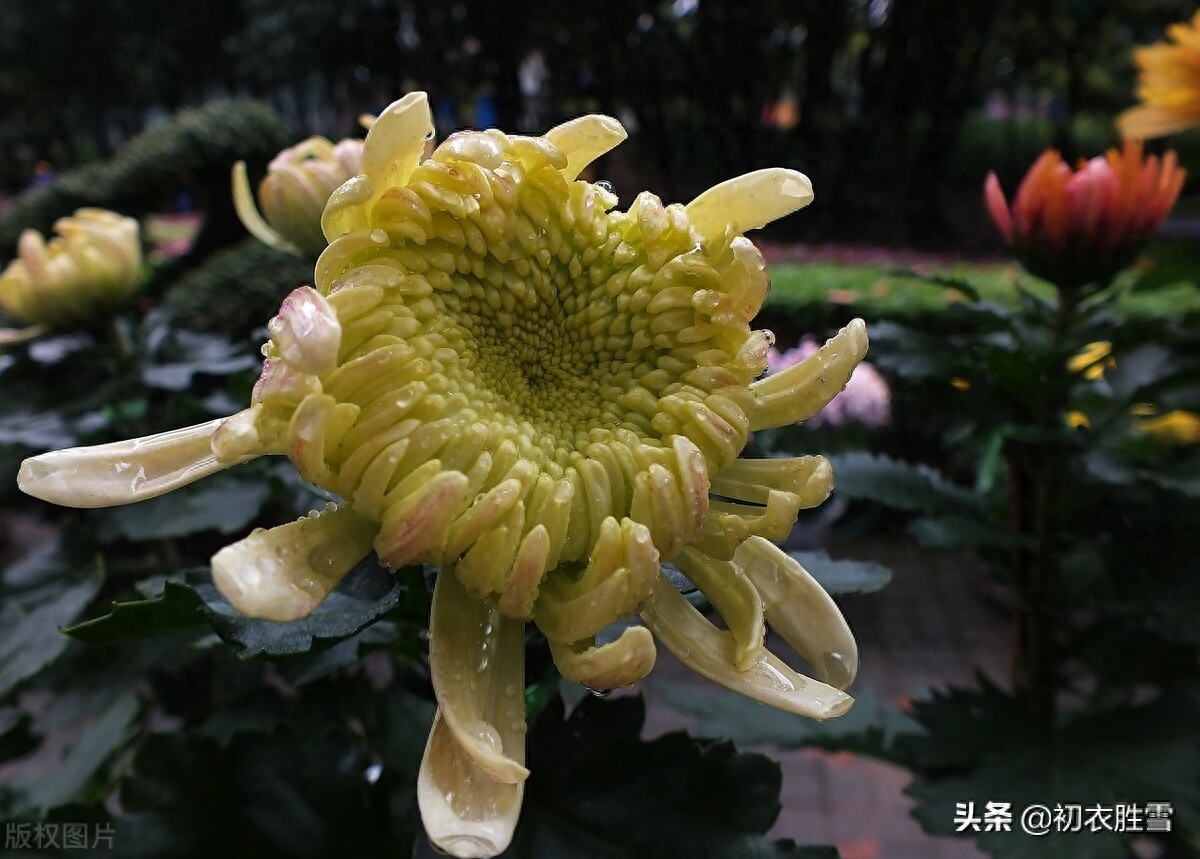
527, 381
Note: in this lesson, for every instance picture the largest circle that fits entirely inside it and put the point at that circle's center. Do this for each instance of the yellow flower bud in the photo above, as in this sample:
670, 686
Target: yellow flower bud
293, 194
92, 266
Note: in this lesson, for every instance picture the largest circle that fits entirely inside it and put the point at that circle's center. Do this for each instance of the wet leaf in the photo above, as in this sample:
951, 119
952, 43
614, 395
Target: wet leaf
597, 791
364, 596
176, 607
30, 636
67, 780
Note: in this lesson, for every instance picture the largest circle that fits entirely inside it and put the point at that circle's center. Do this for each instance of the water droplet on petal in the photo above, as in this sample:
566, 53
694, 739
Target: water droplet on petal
837, 668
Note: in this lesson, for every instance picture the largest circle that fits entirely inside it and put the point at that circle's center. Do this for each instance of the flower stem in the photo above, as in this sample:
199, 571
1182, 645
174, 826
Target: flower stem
1038, 478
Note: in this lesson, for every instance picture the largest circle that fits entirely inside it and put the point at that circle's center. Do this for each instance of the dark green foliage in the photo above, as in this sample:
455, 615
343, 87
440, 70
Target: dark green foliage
197, 147
237, 289
597, 791
844, 576
976, 745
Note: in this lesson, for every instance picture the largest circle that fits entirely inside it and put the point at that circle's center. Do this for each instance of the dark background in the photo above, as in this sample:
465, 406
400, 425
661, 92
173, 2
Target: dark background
895, 108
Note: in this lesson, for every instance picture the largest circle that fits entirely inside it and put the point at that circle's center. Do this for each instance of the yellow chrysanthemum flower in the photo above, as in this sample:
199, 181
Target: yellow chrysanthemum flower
503, 375
92, 266
294, 192
1173, 427
1093, 360
1168, 85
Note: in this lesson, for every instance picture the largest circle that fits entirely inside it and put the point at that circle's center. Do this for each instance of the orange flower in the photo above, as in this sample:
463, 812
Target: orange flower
1168, 85
1082, 226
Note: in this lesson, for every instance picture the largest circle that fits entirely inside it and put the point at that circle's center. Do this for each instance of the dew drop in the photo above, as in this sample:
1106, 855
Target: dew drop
486, 733
772, 676
599, 693
838, 669
605, 185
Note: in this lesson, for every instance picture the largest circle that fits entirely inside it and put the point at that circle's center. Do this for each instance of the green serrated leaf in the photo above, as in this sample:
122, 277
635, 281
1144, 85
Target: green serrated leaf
289, 794
29, 636
1138, 370
598, 791
177, 607
66, 781
990, 463
364, 596
1182, 476
224, 503
844, 575
909, 353
959, 532
978, 746
902, 485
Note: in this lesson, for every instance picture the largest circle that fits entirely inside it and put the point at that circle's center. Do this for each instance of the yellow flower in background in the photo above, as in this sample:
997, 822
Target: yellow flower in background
294, 192
505, 376
91, 267
1092, 360
1168, 85
1078, 420
1174, 427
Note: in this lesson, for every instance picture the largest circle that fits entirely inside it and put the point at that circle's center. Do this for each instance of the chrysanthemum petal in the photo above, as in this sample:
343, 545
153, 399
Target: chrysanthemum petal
710, 652
415, 527
247, 212
802, 390
618, 663
801, 611
528, 570
106, 475
750, 201
573, 605
585, 139
1147, 122
774, 519
467, 814
733, 596
566, 612
476, 659
15, 336
307, 331
284, 573
810, 478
